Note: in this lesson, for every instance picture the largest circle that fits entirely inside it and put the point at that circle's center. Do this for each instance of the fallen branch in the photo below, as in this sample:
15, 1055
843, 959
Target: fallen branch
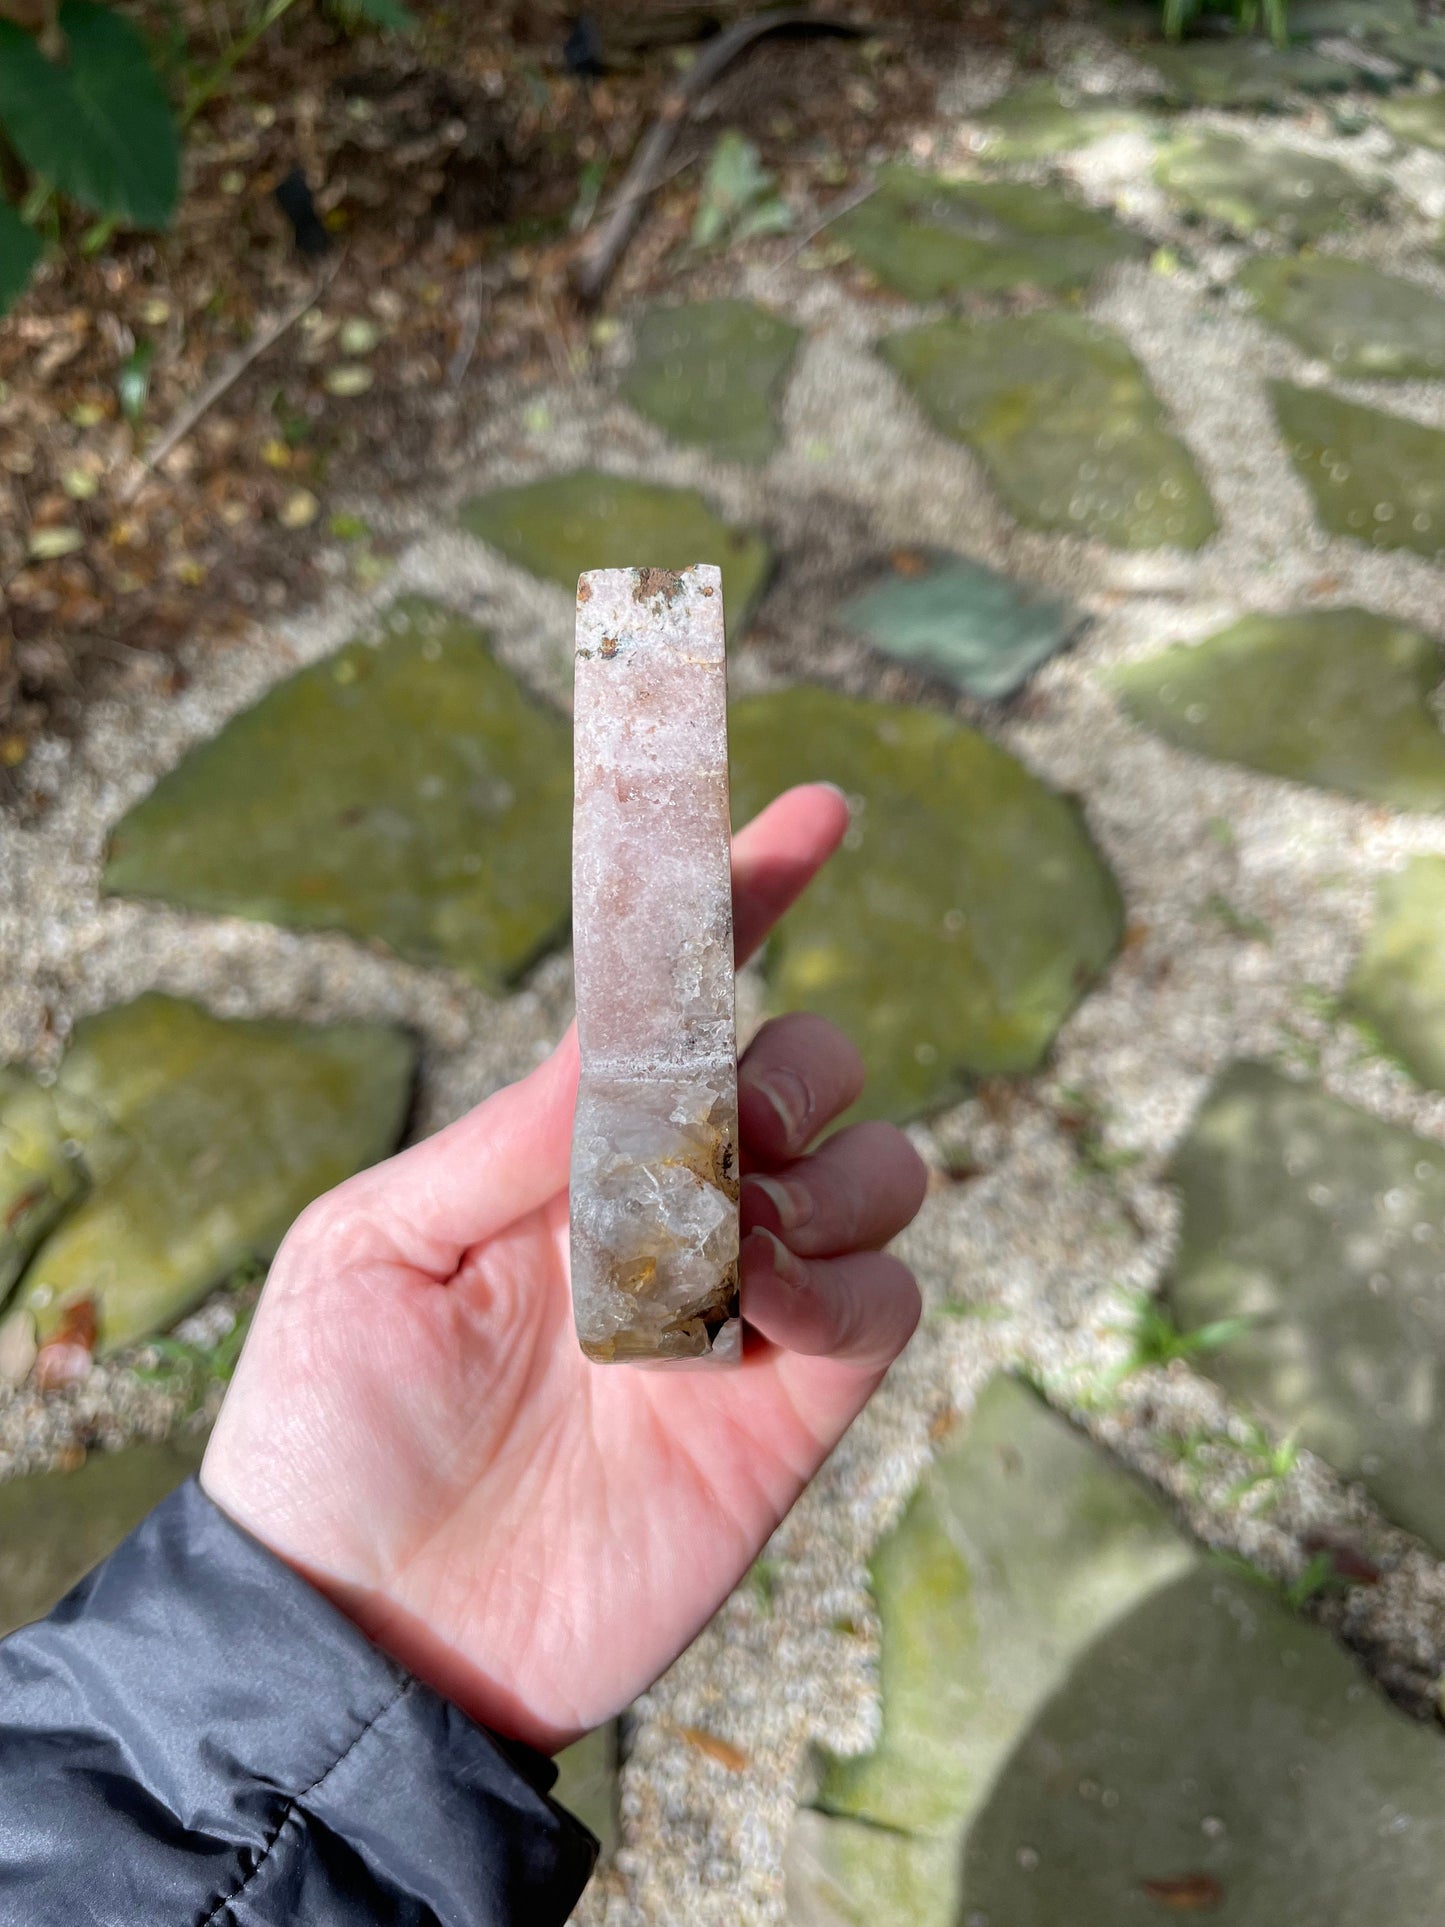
185, 421
597, 262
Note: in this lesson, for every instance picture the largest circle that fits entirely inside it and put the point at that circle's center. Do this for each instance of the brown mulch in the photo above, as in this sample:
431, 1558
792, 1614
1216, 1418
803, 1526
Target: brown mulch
454, 171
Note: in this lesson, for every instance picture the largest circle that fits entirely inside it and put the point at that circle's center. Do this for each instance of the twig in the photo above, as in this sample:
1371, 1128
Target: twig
231, 373
620, 199
471, 318
597, 262
845, 204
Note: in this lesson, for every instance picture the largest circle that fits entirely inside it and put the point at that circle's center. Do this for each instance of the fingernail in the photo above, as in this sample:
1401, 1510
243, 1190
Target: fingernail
793, 1202
783, 1262
841, 794
788, 1095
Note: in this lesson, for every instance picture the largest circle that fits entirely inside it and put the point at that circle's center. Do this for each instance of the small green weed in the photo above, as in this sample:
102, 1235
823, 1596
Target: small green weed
739, 196
1086, 1121
1157, 1340
187, 1372
763, 1578
1270, 1462
1319, 1577
1239, 923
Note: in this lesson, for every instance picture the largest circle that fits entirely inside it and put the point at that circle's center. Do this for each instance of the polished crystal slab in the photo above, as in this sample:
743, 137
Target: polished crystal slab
654, 1151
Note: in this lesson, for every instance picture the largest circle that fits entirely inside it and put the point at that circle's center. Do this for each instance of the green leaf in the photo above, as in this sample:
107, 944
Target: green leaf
133, 383
389, 15
19, 251
99, 127
1213, 1337
735, 181
768, 217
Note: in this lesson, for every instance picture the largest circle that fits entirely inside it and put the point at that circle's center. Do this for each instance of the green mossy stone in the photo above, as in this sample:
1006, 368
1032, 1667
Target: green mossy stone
1060, 414
1367, 19
1367, 325
1076, 1703
565, 524
587, 1783
926, 238
1036, 121
1416, 117
1216, 1750
1374, 476
1248, 72
40, 1174
1022, 1543
55, 1526
713, 373
1259, 187
1322, 1226
966, 913
1338, 698
411, 793
967, 623
1398, 988
205, 1137
1420, 48
852, 1873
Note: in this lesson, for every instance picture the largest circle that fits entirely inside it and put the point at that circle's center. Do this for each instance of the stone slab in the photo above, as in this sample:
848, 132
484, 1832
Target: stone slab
1369, 326
1261, 187
1324, 1228
1060, 414
411, 793
1337, 698
712, 373
958, 619
55, 1526
960, 869
1086, 1720
205, 1137
1398, 985
563, 525
1375, 476
927, 238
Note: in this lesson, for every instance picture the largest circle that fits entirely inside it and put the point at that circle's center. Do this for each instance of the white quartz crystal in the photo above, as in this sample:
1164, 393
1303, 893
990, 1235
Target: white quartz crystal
654, 1151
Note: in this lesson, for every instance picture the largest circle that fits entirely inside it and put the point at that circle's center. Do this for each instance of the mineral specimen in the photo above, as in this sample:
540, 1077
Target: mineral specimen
654, 1152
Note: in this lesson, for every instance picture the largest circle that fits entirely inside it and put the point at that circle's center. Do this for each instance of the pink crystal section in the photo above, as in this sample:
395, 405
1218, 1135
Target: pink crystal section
654, 1151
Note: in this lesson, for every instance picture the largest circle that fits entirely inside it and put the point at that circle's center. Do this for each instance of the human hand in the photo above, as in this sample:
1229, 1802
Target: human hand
413, 1427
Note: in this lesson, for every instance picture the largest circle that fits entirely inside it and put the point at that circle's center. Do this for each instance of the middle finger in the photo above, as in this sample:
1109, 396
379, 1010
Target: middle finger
853, 1194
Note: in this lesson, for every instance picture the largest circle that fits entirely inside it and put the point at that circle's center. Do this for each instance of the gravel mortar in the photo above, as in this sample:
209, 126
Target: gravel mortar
1030, 1264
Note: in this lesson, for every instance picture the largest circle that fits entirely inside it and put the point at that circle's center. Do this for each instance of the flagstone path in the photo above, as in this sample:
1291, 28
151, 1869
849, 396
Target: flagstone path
1080, 498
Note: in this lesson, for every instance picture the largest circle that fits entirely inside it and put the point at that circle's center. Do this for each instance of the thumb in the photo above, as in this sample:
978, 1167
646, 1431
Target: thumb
503, 1160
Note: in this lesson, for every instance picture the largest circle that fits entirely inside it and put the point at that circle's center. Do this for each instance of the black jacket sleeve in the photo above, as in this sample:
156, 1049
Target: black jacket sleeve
196, 1738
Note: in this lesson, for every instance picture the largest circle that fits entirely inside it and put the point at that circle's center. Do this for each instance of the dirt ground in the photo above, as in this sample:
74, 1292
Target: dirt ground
457, 173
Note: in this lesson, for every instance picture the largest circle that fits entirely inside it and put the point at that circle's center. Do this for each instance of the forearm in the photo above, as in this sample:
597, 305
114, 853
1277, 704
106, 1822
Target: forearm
196, 1736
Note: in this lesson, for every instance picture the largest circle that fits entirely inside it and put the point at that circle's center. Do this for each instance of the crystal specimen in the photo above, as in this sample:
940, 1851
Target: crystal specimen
654, 1151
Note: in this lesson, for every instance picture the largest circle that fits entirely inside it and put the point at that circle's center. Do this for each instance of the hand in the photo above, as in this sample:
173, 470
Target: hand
413, 1427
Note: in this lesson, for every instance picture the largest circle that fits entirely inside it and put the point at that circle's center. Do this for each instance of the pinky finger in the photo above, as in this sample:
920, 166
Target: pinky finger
860, 1310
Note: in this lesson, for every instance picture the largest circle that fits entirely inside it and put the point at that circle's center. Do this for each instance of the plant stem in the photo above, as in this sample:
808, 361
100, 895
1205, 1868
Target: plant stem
209, 82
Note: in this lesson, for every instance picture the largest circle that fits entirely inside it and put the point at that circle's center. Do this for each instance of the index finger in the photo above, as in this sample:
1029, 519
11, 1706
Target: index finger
777, 855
